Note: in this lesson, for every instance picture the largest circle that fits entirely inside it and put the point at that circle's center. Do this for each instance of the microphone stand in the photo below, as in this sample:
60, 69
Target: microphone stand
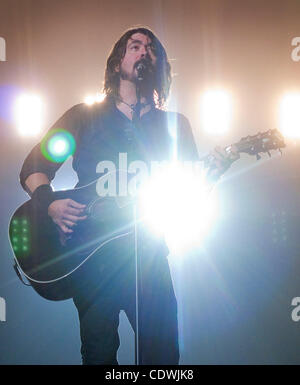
138, 352
138, 283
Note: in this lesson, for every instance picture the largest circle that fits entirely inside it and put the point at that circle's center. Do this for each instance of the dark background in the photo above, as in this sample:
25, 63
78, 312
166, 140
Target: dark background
234, 294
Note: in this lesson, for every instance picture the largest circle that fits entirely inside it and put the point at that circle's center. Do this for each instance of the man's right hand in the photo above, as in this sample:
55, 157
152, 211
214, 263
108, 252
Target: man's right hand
65, 213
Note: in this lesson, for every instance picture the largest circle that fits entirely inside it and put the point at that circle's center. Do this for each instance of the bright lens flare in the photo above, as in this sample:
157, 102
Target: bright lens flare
289, 116
58, 145
29, 111
216, 112
176, 203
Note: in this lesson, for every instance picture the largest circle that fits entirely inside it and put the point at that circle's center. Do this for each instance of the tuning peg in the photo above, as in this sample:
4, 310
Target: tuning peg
268, 152
258, 157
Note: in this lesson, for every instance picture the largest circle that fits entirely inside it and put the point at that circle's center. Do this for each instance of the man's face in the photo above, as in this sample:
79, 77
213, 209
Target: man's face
139, 46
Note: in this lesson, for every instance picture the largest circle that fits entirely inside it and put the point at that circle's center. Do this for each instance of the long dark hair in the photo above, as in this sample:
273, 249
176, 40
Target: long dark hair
163, 69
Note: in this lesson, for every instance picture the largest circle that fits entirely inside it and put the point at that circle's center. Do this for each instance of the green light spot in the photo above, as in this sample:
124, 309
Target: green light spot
24, 222
15, 248
24, 230
15, 222
25, 248
25, 239
58, 145
15, 239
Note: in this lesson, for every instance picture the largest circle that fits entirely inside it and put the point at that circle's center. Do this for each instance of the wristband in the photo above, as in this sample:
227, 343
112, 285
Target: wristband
43, 196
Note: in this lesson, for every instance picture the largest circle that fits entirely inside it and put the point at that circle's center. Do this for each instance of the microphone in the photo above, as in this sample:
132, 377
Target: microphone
142, 69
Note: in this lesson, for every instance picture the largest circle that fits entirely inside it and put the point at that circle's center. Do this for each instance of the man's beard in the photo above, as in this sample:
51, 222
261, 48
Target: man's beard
133, 76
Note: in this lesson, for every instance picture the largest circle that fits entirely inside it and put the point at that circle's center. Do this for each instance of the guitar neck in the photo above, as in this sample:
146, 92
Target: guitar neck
255, 144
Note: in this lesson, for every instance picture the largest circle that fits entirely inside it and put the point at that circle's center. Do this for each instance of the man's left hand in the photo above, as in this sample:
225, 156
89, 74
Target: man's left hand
219, 161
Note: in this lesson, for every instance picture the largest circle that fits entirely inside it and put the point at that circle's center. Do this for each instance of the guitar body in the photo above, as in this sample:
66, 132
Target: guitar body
51, 260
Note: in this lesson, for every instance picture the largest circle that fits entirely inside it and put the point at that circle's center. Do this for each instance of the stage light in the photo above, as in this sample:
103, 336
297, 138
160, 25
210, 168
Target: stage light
289, 117
91, 99
29, 111
100, 97
175, 202
216, 111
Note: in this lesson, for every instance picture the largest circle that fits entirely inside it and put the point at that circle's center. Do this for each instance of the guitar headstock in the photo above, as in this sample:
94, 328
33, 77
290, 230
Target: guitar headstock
263, 142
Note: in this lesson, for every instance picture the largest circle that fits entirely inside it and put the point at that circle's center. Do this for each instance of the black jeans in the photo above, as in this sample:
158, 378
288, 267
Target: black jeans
109, 288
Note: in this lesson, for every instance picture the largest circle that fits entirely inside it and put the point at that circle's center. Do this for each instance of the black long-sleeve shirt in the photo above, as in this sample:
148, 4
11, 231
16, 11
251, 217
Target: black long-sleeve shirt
101, 132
